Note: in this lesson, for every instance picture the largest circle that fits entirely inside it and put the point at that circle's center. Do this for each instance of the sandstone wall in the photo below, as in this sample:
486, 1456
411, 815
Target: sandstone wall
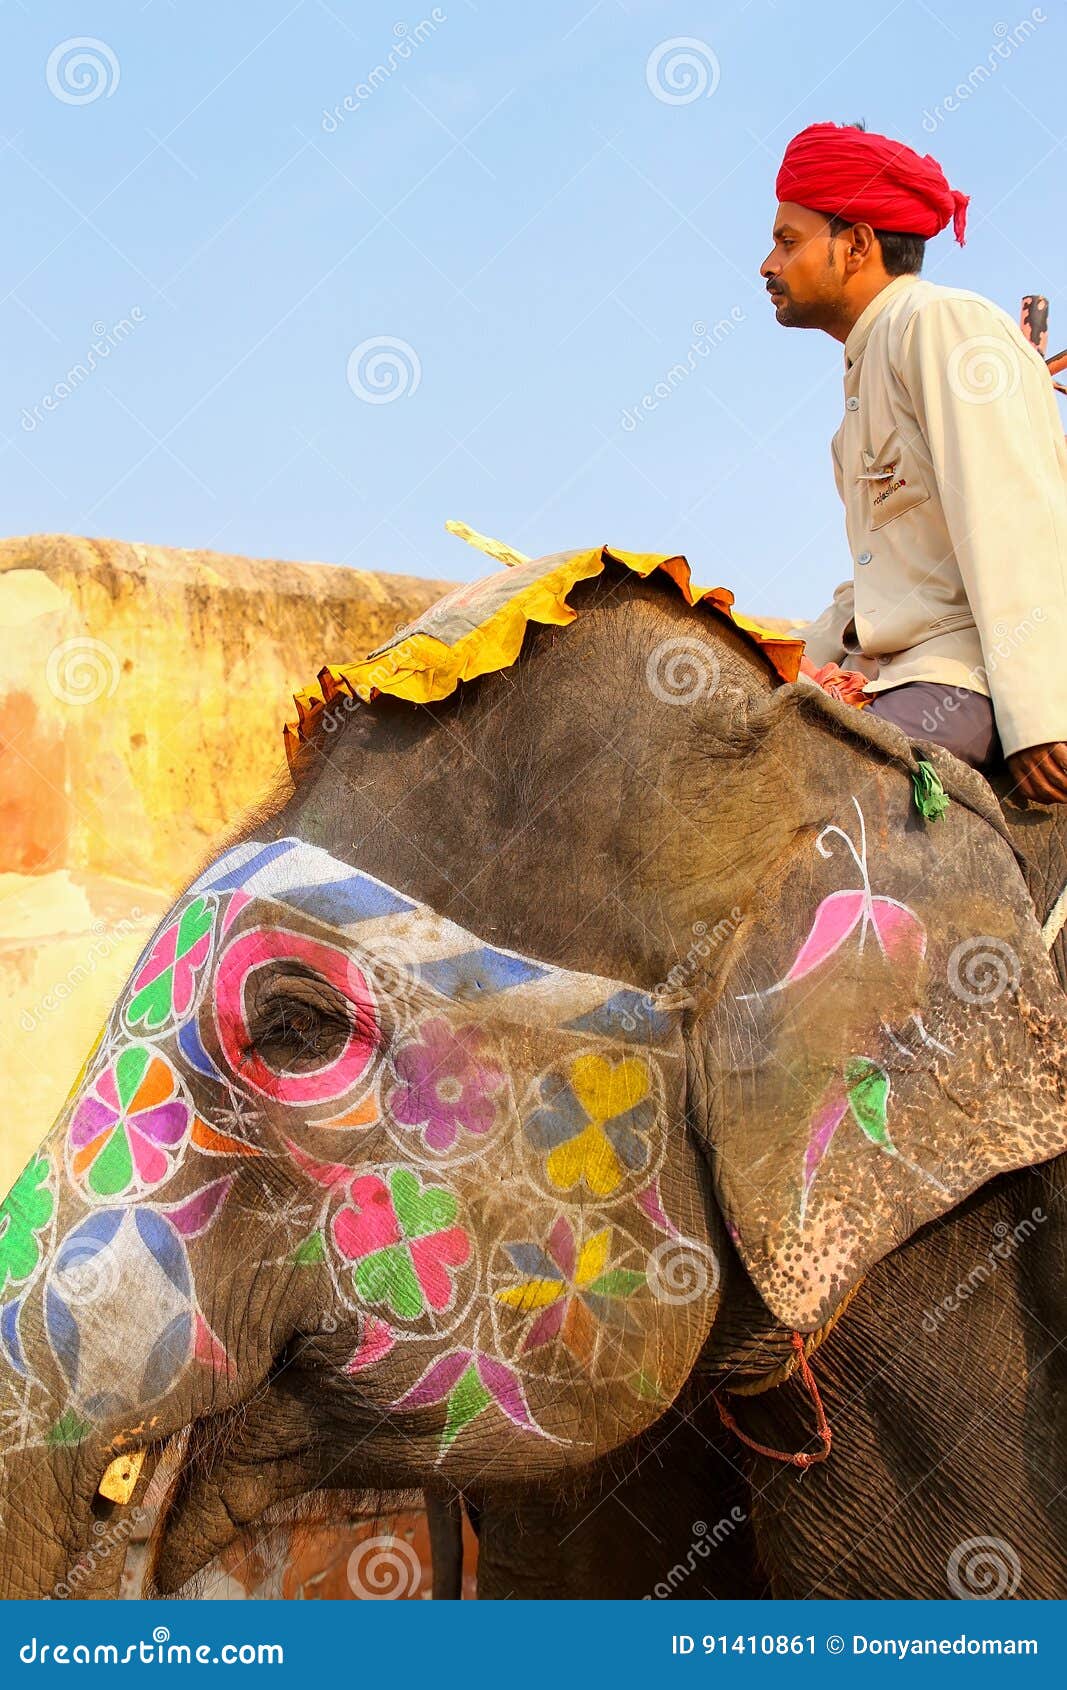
142, 696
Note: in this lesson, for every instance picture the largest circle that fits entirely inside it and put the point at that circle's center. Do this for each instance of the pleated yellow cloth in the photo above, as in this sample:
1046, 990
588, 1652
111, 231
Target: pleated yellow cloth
479, 628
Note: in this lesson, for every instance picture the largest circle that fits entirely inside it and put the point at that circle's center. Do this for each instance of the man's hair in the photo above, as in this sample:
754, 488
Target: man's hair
902, 255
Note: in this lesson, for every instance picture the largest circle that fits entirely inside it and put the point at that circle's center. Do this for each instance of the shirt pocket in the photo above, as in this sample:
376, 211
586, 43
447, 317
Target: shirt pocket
893, 481
952, 622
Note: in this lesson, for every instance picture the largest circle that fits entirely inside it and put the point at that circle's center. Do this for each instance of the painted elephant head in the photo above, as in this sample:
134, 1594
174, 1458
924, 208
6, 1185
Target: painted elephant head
328, 1132
439, 1112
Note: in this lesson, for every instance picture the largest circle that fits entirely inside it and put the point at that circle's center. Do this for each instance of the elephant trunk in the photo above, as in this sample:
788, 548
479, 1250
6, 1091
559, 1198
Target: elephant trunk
104, 1362
60, 1538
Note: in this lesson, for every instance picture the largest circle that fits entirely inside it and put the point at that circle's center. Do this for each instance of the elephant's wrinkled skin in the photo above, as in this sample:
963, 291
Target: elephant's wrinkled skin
563, 810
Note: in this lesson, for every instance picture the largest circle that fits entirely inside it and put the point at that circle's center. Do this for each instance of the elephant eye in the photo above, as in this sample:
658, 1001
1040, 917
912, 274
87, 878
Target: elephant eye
298, 1023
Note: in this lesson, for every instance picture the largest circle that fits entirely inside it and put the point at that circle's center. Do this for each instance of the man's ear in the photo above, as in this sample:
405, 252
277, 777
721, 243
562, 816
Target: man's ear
863, 238
858, 245
884, 1035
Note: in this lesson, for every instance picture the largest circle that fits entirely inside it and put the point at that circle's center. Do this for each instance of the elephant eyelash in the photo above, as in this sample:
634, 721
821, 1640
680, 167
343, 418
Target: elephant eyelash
287, 1019
302, 1029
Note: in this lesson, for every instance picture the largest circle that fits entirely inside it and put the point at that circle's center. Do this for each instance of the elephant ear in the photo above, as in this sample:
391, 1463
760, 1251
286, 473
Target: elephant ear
887, 1034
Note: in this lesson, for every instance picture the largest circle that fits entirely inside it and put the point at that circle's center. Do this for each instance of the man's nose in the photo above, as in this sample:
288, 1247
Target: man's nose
769, 268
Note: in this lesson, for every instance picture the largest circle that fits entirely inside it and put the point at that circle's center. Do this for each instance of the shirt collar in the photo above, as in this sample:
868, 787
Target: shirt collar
861, 328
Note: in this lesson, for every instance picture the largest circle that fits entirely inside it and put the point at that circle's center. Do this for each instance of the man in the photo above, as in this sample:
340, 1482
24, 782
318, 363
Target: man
950, 461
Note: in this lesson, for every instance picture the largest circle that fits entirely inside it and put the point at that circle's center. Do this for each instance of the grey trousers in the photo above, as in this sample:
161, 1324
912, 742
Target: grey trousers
954, 717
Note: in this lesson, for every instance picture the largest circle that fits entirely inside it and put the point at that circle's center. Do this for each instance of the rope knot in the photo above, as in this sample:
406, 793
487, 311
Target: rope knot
799, 1458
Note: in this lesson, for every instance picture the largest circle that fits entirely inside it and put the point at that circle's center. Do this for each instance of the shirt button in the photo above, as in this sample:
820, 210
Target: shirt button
852, 404
884, 660
865, 557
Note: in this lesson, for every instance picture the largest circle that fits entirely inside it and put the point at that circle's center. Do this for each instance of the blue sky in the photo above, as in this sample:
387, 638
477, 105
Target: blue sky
536, 233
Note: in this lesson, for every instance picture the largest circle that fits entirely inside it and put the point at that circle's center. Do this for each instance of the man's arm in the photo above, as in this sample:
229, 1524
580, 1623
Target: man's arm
824, 638
986, 406
1040, 772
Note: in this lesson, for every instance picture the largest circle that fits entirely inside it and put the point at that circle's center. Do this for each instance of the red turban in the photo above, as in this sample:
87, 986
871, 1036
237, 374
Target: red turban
845, 172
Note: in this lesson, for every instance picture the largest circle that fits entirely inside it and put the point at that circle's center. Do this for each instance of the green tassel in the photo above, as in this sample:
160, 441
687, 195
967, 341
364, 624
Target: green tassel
931, 800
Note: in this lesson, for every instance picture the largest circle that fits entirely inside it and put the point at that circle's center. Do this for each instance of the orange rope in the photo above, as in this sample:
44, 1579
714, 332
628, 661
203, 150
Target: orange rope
801, 1459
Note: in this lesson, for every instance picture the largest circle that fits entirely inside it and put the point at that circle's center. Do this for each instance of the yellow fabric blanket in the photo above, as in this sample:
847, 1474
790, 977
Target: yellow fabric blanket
479, 628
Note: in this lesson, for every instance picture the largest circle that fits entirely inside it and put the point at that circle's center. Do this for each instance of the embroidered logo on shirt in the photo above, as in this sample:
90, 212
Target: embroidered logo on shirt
894, 487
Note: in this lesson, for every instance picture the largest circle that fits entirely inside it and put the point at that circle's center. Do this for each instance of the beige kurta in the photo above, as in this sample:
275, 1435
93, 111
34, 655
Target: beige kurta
952, 467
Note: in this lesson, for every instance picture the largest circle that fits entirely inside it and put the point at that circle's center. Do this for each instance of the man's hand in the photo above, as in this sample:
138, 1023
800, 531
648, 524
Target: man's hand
1040, 773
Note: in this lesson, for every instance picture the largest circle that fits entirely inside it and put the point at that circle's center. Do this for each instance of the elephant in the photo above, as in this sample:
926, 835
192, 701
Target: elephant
550, 1067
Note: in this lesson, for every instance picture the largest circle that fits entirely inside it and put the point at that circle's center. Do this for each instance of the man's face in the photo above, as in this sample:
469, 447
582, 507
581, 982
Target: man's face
804, 269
